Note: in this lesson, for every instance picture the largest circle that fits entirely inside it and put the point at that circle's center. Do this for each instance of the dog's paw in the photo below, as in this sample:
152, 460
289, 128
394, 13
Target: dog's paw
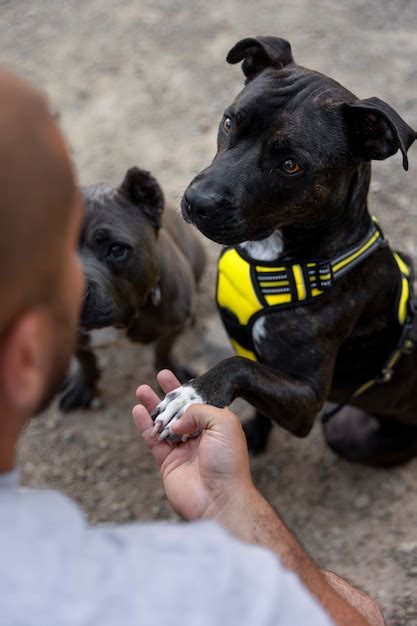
170, 410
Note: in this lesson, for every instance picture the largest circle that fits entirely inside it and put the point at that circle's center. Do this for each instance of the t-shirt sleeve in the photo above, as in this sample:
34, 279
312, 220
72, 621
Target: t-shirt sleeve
185, 575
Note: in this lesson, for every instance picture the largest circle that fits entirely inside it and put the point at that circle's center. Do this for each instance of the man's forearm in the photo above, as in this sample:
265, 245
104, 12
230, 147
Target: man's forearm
249, 517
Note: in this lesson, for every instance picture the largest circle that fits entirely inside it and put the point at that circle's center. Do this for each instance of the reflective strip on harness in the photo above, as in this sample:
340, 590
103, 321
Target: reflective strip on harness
405, 289
347, 263
299, 282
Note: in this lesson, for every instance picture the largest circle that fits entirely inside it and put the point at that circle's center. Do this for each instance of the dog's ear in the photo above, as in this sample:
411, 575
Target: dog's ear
142, 189
259, 53
376, 131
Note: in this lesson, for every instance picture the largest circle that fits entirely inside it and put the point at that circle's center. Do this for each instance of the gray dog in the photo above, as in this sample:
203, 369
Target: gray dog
142, 265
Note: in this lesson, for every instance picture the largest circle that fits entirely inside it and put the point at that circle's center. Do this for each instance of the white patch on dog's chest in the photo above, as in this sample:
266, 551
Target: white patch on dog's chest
267, 249
259, 333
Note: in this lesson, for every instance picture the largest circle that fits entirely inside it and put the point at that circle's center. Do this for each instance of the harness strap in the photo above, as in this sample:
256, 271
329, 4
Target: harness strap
406, 317
294, 282
342, 264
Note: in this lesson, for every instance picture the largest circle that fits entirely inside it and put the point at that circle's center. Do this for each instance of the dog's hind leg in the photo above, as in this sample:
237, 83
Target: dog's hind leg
164, 358
371, 440
80, 386
257, 432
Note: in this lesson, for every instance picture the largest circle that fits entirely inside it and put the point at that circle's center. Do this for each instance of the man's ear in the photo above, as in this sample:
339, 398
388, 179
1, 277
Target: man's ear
24, 362
259, 53
376, 131
142, 189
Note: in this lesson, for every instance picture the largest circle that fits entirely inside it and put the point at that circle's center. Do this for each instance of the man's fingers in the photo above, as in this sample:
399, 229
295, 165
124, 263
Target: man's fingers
142, 418
147, 397
167, 381
144, 423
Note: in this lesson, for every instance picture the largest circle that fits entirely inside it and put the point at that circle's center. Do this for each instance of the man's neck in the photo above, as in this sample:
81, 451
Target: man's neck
7, 459
10, 428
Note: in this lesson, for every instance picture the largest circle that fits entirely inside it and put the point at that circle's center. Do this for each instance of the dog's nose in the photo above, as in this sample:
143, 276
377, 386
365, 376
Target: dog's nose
201, 201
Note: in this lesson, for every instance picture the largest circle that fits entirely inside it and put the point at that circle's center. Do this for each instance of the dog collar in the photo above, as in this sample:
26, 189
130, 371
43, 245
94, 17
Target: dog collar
295, 281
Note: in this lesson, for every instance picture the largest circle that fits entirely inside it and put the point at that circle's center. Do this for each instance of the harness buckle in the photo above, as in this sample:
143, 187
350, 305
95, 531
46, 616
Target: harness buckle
386, 375
407, 341
408, 346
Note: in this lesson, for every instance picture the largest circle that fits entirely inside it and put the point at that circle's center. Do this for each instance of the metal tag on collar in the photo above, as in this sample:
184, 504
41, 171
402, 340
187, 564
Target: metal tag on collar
156, 295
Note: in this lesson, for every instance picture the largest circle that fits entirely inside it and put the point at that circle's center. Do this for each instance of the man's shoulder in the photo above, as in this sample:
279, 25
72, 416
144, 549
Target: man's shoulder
41, 532
35, 508
164, 572
36, 524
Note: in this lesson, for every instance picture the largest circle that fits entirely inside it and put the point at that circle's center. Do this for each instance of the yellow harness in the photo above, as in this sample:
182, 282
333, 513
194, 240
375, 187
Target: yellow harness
248, 289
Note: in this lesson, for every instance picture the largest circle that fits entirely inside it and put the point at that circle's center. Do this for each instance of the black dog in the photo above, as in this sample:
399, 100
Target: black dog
316, 284
141, 268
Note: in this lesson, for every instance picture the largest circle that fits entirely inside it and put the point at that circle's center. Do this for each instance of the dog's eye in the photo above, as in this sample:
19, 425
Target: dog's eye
118, 252
290, 166
227, 124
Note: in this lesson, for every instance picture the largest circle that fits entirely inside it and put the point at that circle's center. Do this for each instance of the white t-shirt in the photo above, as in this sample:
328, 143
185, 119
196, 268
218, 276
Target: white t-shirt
55, 570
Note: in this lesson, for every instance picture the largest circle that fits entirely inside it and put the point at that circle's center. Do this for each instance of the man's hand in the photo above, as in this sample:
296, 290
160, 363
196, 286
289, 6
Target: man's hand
209, 476
202, 475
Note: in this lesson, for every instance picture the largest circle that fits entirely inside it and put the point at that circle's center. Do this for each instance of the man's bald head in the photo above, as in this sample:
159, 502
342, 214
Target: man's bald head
41, 280
37, 196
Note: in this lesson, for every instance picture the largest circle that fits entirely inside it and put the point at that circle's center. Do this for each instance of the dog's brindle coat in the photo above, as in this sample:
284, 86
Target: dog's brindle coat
141, 264
294, 152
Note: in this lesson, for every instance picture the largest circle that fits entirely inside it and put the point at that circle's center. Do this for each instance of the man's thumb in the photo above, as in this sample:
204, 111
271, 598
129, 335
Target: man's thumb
197, 417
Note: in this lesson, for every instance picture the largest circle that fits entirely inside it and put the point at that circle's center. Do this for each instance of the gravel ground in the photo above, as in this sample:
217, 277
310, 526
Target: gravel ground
145, 82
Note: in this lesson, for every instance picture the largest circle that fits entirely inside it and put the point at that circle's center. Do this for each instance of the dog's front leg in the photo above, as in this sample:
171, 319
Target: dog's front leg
291, 403
164, 359
80, 387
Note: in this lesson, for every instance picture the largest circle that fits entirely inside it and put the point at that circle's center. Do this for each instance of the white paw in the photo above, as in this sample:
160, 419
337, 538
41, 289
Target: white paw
170, 410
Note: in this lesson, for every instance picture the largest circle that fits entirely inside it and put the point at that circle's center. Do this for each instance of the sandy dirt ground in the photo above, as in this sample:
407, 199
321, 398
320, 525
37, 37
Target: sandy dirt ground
145, 82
